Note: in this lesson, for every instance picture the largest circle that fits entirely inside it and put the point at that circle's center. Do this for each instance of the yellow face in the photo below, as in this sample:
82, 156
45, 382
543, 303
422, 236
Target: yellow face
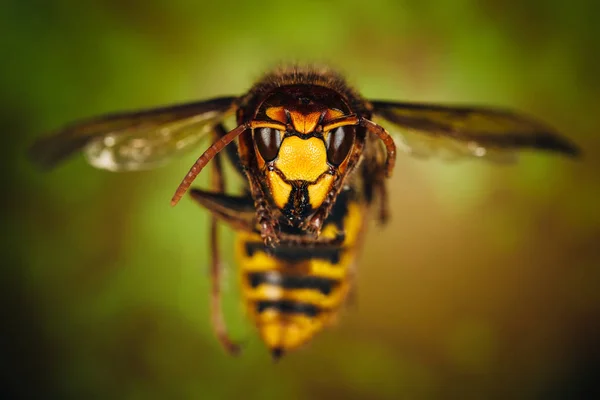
298, 168
302, 166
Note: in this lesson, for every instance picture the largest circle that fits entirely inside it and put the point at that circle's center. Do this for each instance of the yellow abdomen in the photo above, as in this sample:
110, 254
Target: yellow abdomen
296, 291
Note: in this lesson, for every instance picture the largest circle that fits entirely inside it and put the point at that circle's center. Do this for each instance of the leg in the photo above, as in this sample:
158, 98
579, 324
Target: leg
216, 311
373, 173
376, 188
384, 208
269, 227
236, 211
351, 300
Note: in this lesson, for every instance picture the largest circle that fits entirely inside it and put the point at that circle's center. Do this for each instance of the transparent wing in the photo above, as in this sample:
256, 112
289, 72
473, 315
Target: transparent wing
447, 132
134, 140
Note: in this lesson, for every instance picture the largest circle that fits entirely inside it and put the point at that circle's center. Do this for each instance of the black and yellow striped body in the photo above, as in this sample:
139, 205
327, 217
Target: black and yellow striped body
292, 292
302, 136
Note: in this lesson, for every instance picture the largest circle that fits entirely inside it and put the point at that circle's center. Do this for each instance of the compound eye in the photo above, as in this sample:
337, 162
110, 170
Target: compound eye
339, 141
268, 141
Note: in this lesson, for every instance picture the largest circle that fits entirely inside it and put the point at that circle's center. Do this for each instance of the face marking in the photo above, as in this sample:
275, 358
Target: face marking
302, 159
279, 189
332, 113
305, 123
277, 114
318, 190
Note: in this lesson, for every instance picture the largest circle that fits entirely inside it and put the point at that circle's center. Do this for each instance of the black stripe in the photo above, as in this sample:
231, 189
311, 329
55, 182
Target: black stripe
323, 285
296, 254
288, 307
298, 205
340, 208
305, 136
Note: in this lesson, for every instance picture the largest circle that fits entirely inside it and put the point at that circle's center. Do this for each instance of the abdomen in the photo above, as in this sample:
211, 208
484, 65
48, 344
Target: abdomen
295, 291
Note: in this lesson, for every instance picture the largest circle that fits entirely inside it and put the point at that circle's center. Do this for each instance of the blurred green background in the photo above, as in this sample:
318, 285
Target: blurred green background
486, 284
